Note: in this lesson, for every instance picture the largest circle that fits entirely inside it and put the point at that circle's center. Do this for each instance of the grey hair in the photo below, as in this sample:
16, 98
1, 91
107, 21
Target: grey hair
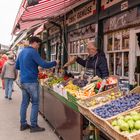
93, 42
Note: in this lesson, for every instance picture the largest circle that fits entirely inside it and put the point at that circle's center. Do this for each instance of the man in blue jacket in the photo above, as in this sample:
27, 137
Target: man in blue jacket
95, 63
28, 62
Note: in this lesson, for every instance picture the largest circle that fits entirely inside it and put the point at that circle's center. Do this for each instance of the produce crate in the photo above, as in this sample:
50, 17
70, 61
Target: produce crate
101, 94
100, 121
119, 135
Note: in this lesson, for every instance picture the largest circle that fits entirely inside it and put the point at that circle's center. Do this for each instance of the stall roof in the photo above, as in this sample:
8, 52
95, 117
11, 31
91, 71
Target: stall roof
39, 12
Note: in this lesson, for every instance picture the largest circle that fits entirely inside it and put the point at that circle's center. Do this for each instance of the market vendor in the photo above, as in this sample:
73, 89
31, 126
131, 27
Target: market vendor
95, 63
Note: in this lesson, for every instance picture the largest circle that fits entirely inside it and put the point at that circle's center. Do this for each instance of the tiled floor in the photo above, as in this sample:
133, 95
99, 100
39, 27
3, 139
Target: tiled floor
9, 120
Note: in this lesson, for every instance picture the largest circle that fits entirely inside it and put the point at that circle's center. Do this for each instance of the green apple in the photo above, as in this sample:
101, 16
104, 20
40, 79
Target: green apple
114, 123
117, 127
137, 124
136, 117
127, 118
133, 113
124, 126
131, 124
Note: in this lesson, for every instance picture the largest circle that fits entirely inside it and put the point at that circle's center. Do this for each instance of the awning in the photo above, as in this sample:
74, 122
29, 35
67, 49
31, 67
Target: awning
29, 16
19, 38
39, 29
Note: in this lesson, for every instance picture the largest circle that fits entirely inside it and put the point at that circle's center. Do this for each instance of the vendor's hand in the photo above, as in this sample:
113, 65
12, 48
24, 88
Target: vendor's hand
72, 59
66, 65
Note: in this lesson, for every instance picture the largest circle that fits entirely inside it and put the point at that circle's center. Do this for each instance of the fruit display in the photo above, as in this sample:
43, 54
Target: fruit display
71, 88
53, 80
127, 123
117, 106
42, 75
80, 82
101, 99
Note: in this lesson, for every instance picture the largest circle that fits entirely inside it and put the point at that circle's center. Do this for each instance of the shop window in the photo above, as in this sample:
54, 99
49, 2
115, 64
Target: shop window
118, 53
125, 40
117, 41
110, 43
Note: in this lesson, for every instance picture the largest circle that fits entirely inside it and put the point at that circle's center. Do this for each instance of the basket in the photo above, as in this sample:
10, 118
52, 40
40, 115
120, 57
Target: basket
117, 134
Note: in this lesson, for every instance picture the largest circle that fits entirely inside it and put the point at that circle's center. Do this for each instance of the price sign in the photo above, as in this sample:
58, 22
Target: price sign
124, 85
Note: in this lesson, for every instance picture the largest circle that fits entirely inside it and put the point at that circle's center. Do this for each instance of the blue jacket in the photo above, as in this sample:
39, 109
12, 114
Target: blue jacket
28, 62
97, 62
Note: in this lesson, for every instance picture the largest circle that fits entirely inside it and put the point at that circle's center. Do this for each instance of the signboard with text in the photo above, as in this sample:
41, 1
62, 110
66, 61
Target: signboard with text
82, 13
124, 85
121, 20
108, 3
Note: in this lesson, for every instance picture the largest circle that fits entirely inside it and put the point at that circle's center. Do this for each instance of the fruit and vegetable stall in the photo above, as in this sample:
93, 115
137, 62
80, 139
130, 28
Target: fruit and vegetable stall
65, 100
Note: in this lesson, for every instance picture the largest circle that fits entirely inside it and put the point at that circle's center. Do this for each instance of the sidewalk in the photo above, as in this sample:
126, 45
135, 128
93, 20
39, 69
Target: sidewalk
9, 120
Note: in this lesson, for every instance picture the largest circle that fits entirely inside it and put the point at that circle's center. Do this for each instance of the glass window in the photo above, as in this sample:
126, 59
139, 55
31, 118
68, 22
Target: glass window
125, 40
126, 64
110, 43
111, 64
117, 41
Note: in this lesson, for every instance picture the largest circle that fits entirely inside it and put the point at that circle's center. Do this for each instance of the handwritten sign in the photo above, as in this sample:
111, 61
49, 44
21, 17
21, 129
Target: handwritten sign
124, 85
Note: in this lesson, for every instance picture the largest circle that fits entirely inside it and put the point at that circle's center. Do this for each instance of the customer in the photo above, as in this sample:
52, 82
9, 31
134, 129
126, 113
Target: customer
3, 59
9, 74
95, 64
28, 62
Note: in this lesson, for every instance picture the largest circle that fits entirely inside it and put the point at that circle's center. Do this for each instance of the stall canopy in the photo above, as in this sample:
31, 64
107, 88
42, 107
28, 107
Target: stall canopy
33, 12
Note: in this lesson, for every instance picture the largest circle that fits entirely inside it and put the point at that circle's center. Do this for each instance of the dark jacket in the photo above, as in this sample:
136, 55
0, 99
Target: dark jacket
97, 62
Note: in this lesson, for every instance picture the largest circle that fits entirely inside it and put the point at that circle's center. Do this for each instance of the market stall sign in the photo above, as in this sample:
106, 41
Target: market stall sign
108, 3
124, 85
82, 13
122, 20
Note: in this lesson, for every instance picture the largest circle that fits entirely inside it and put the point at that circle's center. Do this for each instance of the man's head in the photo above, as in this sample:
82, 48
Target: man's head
35, 42
91, 47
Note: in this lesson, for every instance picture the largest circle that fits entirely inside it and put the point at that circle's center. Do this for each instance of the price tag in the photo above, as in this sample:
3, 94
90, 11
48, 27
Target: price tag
124, 85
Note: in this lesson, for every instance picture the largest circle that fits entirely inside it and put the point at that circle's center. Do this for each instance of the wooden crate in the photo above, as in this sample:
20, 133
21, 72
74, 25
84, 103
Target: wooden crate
96, 96
104, 124
119, 135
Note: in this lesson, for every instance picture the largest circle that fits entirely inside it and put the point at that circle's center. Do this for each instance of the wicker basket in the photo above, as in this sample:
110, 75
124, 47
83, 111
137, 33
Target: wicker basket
117, 134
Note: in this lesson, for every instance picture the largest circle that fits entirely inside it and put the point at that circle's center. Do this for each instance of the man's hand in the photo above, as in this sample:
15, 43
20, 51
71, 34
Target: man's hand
71, 61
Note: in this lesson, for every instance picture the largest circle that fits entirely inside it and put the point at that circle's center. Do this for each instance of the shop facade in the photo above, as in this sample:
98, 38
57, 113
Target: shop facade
82, 27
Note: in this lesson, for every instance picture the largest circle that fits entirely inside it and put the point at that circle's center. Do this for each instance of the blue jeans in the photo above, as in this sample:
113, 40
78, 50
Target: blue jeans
30, 93
8, 87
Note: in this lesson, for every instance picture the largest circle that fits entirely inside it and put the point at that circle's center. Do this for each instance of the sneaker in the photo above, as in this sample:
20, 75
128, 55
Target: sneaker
37, 129
10, 98
24, 127
6, 97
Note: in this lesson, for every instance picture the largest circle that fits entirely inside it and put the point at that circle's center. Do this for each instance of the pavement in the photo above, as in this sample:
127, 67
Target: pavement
10, 124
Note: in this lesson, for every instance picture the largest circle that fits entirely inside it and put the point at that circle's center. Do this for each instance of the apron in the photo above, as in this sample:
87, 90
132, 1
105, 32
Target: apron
90, 72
